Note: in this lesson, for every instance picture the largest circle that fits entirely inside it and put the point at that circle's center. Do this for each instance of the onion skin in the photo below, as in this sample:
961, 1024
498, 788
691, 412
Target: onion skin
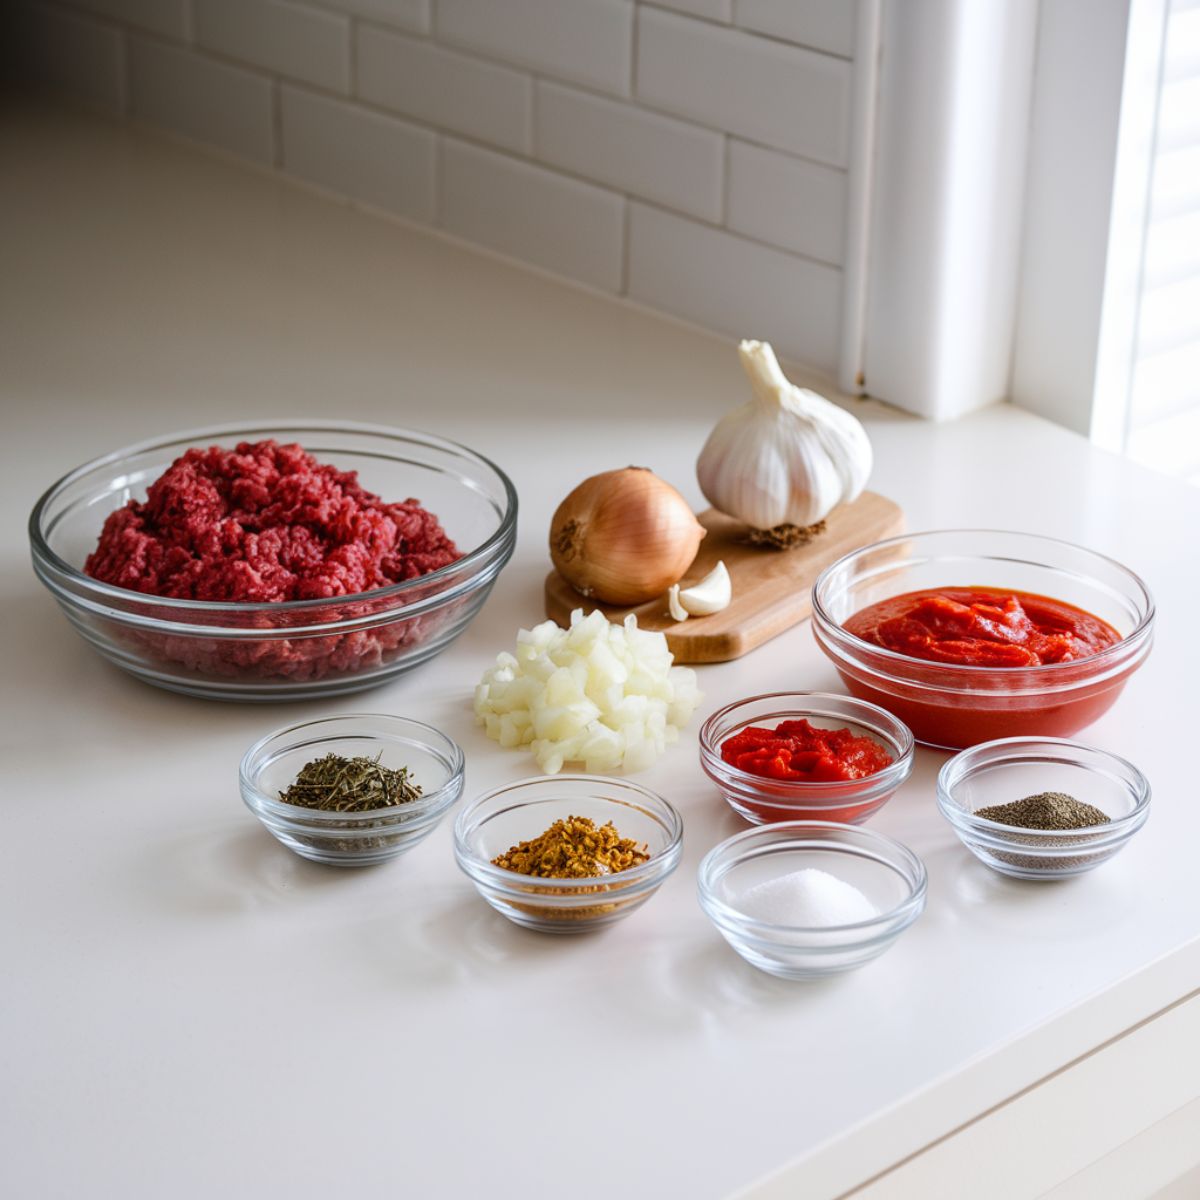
623, 537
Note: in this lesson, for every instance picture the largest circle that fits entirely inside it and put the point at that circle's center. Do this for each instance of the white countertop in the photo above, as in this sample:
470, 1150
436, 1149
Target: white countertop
190, 1010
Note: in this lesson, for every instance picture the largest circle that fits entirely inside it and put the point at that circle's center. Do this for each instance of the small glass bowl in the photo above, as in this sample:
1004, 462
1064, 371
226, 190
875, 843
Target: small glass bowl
353, 839
890, 875
847, 802
1012, 768
953, 706
519, 812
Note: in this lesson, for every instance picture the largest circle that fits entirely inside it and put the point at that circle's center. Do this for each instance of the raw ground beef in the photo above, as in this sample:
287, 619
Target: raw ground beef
265, 522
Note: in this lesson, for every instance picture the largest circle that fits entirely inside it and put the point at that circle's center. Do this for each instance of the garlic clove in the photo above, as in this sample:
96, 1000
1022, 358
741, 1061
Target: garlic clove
712, 594
677, 611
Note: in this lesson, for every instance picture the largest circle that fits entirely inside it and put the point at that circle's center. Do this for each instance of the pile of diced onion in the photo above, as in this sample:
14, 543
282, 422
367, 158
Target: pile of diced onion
599, 694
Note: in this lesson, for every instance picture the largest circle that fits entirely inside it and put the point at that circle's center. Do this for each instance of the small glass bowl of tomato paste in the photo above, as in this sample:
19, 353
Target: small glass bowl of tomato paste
987, 587
1010, 769
864, 738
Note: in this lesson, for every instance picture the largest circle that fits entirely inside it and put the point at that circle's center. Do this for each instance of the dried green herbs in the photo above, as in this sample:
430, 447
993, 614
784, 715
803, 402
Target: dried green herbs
350, 785
1046, 810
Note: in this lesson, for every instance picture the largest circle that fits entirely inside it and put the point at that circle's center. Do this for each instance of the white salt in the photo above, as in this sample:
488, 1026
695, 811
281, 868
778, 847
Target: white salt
809, 897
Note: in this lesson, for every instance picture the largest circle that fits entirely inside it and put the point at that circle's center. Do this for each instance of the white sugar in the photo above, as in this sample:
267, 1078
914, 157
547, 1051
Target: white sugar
809, 897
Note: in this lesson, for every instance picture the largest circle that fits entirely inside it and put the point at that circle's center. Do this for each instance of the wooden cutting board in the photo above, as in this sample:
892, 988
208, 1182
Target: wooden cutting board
771, 588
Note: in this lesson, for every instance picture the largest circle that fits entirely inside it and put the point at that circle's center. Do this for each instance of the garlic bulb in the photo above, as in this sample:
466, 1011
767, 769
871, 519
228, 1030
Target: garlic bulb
787, 456
711, 595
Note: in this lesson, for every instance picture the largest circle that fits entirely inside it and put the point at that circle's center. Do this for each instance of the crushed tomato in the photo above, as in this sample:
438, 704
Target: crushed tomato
798, 750
982, 627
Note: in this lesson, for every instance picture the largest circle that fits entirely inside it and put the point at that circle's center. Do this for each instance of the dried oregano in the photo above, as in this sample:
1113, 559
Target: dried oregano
350, 785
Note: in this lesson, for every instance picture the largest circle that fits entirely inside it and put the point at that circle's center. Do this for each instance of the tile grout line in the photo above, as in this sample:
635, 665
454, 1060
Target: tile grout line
439, 178
726, 172
276, 124
124, 74
732, 26
626, 245
635, 25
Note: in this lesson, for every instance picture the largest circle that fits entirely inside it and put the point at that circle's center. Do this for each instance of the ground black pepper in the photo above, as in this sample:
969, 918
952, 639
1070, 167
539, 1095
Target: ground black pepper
1046, 810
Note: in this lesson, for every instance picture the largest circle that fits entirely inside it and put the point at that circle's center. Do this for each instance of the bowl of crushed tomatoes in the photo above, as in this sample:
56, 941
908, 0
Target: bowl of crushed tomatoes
805, 756
972, 635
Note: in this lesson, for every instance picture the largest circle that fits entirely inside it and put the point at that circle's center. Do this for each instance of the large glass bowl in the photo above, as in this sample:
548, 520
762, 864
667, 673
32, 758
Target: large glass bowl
294, 649
957, 706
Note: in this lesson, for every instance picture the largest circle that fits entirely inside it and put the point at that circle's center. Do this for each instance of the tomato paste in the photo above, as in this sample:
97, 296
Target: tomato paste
797, 750
982, 627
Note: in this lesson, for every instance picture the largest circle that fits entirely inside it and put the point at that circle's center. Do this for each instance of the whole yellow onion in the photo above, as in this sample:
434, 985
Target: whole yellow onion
623, 537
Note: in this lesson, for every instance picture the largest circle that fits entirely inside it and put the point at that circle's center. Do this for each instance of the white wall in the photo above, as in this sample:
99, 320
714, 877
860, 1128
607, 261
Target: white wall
690, 154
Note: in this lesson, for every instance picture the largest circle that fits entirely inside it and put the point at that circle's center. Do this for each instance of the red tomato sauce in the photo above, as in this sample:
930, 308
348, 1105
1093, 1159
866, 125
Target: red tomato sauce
982, 627
797, 750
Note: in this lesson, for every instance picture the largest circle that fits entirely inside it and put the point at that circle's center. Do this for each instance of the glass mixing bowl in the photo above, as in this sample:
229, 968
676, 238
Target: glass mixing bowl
956, 706
294, 649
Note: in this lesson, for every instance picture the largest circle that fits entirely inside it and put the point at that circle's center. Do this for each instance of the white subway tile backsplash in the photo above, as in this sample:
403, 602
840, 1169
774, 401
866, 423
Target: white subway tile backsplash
715, 10
73, 53
741, 288
823, 24
620, 144
790, 202
299, 42
376, 159
405, 14
530, 213
584, 40
168, 17
205, 100
690, 153
452, 90
786, 96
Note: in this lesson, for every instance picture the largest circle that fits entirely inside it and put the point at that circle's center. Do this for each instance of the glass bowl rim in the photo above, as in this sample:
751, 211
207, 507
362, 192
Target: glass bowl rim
472, 559
957, 767
883, 924
427, 804
486, 872
835, 789
836, 631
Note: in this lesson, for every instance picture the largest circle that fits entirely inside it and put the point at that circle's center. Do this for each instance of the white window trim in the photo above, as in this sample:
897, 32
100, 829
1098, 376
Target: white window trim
993, 160
1091, 154
932, 272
